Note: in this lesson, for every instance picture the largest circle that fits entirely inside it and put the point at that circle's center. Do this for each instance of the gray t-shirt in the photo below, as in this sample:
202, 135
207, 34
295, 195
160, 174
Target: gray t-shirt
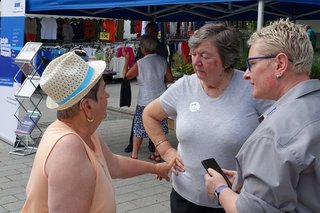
209, 127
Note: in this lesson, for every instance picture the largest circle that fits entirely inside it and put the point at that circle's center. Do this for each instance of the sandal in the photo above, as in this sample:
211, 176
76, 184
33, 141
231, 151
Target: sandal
154, 157
133, 157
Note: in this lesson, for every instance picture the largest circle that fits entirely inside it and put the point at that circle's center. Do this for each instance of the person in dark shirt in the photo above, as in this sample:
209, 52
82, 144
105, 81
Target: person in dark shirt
312, 36
152, 31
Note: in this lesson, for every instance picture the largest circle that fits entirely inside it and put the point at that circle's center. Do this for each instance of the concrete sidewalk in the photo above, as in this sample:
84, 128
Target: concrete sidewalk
138, 194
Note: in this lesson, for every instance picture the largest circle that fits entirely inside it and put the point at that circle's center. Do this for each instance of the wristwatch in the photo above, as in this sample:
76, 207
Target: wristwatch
219, 190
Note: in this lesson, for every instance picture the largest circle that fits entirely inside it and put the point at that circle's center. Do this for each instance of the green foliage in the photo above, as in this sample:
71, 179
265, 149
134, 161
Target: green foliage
180, 66
242, 64
315, 70
251, 26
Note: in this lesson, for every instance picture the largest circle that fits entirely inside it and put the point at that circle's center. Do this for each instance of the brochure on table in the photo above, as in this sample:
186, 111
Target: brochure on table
28, 52
28, 87
28, 122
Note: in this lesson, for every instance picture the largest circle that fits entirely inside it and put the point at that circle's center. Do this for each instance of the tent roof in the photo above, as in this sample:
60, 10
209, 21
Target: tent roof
177, 10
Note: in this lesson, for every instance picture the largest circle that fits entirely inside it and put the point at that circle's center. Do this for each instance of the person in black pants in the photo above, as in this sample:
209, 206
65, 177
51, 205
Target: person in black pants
152, 30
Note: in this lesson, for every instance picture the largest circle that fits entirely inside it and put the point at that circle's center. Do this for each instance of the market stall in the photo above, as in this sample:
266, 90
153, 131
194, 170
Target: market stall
179, 10
156, 10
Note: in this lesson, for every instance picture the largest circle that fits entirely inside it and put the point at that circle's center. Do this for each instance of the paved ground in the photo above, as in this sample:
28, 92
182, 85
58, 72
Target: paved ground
134, 195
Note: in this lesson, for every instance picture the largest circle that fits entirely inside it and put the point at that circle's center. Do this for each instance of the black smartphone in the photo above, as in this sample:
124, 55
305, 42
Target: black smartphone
212, 163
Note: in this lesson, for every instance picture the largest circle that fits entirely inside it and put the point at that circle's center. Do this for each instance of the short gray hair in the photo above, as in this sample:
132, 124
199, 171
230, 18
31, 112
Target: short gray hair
149, 44
283, 36
226, 39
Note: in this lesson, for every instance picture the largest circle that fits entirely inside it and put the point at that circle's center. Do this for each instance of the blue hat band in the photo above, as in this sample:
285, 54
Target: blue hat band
81, 87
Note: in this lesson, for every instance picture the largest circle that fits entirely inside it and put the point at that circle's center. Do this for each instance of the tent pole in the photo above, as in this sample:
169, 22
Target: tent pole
260, 14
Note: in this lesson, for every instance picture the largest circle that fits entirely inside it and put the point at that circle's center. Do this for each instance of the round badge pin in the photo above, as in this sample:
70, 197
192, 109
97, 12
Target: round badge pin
194, 106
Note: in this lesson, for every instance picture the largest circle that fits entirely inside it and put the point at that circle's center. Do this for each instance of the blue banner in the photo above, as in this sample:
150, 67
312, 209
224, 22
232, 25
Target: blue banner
12, 41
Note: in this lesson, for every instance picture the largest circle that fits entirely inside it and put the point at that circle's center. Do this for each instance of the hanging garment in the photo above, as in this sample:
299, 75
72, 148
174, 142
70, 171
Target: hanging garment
49, 28
111, 29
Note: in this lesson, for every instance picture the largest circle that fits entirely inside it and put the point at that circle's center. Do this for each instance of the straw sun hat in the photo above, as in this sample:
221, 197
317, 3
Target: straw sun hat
68, 78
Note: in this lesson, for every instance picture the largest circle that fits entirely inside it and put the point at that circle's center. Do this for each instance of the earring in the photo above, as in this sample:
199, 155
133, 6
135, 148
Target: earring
90, 120
278, 76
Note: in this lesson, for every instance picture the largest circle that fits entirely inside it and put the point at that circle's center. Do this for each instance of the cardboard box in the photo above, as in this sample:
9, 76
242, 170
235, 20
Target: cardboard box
171, 124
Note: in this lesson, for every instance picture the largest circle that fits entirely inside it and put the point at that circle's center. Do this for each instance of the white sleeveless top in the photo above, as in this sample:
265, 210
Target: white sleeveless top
151, 75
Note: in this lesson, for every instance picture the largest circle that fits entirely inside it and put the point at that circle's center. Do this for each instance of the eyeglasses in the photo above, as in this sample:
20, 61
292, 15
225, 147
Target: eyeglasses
258, 57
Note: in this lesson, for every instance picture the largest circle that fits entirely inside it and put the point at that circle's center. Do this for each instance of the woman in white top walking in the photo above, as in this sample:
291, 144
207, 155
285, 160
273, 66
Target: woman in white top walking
152, 72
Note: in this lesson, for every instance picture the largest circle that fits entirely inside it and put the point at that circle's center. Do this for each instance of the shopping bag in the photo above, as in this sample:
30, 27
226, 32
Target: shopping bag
125, 93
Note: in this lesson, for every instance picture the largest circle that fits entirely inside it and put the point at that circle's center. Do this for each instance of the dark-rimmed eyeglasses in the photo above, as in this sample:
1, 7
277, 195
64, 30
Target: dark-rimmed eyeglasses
255, 58
260, 57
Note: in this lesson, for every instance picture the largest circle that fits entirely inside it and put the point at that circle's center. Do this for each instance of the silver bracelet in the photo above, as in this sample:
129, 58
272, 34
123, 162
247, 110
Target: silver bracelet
160, 142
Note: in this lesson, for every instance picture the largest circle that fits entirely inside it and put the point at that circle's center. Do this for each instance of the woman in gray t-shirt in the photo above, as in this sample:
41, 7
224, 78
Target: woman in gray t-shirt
214, 111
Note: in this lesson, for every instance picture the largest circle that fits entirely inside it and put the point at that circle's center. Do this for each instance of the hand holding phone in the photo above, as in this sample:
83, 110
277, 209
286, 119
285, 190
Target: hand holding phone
212, 163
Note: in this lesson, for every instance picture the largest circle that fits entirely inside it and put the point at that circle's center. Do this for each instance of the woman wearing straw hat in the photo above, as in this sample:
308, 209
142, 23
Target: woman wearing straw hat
73, 167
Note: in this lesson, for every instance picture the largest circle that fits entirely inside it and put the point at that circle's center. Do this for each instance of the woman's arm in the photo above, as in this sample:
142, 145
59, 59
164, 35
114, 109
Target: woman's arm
227, 197
124, 167
133, 71
153, 114
71, 177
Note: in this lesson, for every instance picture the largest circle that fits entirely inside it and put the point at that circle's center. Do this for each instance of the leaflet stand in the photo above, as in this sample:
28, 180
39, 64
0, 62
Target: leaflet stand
28, 132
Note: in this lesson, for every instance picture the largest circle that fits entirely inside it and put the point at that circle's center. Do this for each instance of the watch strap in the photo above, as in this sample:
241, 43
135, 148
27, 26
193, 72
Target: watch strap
219, 190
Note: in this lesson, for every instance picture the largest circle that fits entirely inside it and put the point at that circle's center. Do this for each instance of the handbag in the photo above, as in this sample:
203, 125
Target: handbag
125, 93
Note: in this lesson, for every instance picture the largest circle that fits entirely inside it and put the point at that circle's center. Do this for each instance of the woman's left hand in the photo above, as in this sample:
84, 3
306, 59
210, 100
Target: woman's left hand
213, 180
163, 169
178, 166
